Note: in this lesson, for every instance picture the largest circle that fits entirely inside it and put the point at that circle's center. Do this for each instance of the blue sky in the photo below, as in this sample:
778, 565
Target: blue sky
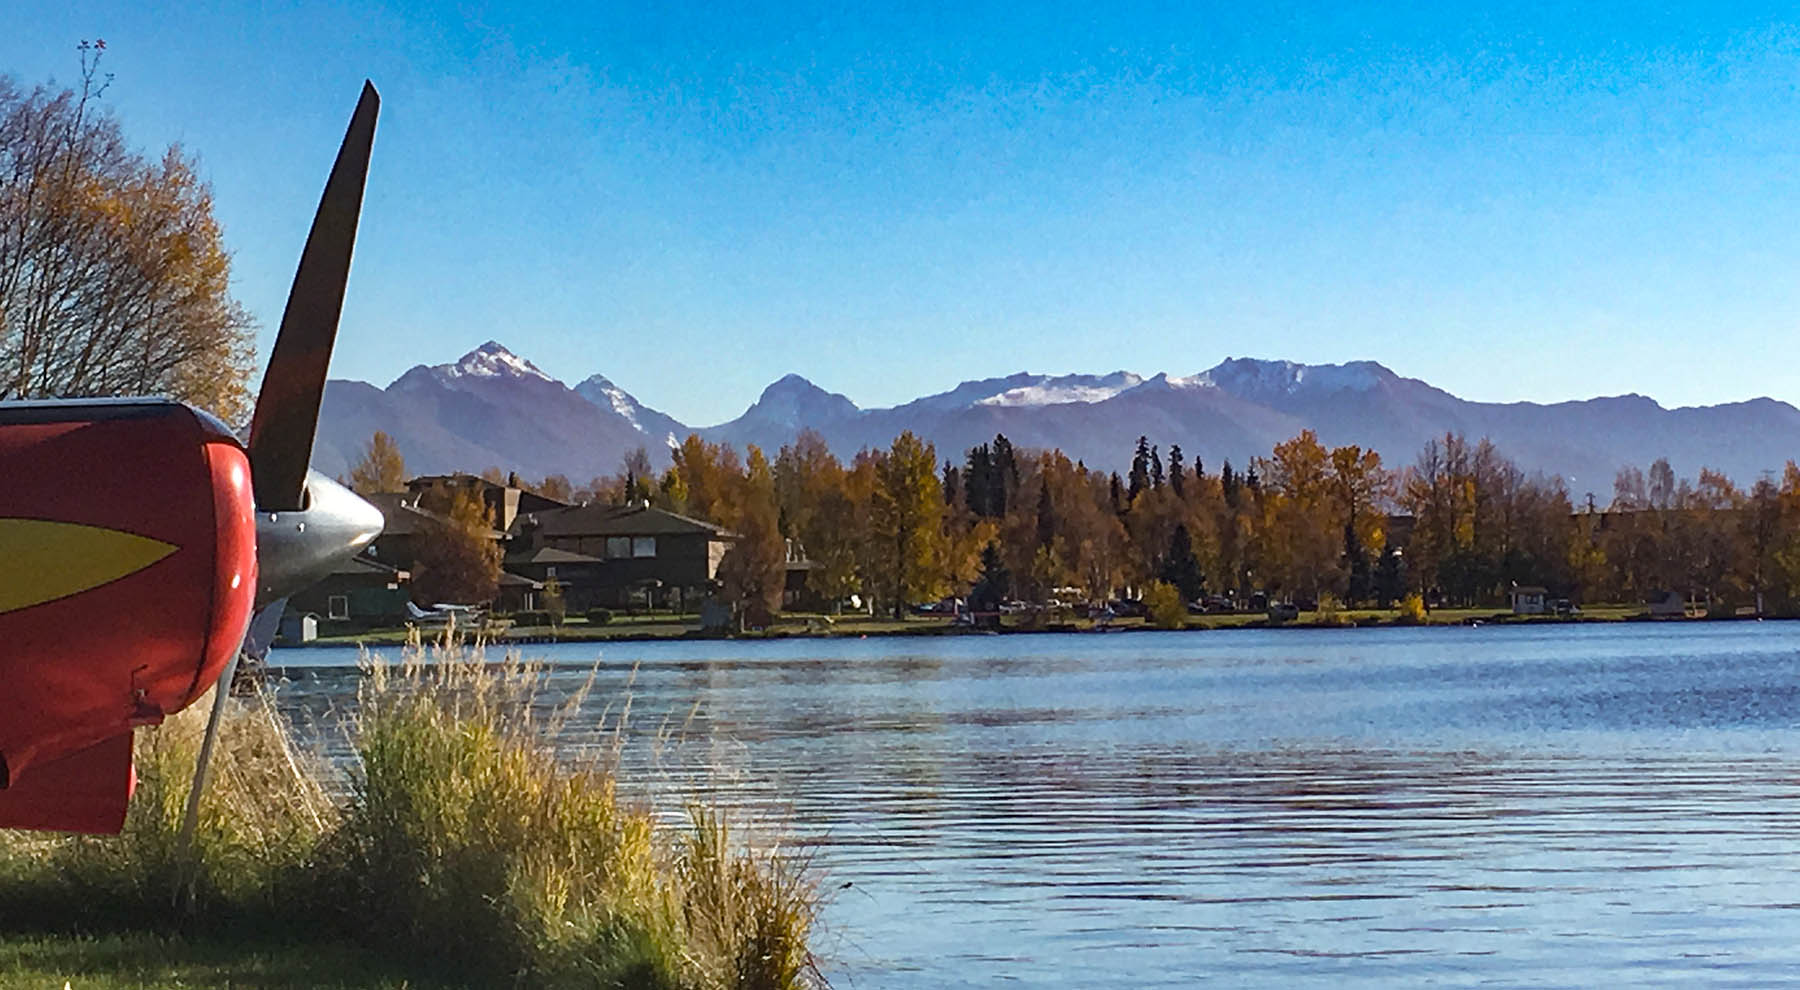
1521, 202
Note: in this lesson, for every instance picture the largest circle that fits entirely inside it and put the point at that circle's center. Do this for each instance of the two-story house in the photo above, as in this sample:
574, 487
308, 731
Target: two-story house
619, 556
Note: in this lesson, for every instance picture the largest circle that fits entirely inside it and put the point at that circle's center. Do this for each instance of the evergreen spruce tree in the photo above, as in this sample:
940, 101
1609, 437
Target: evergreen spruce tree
1117, 492
1228, 484
1140, 471
1156, 470
1390, 578
1046, 517
952, 484
978, 479
1176, 479
1006, 476
1180, 567
994, 584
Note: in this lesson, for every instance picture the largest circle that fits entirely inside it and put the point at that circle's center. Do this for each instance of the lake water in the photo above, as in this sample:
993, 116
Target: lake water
1512, 806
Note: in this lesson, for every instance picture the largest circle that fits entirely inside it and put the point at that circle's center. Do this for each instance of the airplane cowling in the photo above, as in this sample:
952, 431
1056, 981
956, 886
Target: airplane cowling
127, 578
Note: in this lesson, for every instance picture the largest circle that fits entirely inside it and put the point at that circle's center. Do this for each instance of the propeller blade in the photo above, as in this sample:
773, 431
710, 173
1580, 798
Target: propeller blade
261, 634
287, 407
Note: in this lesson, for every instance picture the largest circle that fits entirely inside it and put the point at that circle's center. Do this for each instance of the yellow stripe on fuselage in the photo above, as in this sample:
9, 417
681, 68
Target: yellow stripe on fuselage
41, 561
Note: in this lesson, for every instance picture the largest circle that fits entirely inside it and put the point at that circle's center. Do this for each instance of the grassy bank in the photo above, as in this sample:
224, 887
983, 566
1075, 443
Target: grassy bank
464, 854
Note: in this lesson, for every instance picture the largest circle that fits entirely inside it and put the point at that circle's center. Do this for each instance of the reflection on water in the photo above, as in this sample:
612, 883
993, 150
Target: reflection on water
1550, 806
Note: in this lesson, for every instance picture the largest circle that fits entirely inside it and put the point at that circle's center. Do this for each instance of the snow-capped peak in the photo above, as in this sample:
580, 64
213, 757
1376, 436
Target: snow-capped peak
1250, 376
599, 390
599, 387
491, 360
1047, 391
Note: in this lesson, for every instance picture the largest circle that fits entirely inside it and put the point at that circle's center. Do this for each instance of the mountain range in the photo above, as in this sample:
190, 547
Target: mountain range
494, 408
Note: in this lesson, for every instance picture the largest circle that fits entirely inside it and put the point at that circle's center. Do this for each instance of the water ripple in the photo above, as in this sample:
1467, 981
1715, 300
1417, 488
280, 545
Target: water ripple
1496, 807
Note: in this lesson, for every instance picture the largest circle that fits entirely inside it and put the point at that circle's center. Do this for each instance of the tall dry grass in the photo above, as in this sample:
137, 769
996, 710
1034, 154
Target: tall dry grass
264, 814
463, 840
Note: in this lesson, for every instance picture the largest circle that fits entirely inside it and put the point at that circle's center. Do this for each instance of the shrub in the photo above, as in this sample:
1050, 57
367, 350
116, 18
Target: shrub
599, 616
1330, 611
554, 605
1412, 610
461, 819
533, 618
1163, 605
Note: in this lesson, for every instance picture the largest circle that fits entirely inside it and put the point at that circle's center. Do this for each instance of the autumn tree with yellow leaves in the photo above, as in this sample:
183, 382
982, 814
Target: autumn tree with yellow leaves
908, 510
381, 468
459, 559
754, 569
114, 277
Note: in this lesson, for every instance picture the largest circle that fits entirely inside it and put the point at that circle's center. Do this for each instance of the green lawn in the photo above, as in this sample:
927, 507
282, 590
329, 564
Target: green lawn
143, 962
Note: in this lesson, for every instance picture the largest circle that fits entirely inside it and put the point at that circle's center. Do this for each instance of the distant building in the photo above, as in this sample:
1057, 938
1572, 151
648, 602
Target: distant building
796, 588
407, 525
1674, 605
518, 593
1529, 599
504, 502
404, 528
358, 594
619, 556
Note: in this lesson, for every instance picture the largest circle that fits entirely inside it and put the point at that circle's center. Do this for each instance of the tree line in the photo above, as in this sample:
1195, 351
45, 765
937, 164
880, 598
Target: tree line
1460, 525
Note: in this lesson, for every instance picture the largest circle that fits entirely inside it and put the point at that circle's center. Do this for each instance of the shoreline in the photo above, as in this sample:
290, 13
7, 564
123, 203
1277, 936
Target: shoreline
864, 628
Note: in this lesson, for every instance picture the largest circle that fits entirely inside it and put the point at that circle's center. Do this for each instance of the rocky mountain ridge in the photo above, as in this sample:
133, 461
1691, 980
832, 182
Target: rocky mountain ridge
494, 408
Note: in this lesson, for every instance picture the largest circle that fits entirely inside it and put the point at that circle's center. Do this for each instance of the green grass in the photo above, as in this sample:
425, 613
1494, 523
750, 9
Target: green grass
141, 960
464, 844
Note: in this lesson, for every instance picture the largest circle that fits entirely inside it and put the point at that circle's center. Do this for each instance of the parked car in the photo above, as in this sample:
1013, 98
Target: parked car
1126, 607
1284, 612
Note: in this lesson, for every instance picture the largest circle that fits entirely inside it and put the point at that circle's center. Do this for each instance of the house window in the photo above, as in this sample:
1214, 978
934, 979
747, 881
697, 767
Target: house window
337, 607
618, 547
550, 572
643, 546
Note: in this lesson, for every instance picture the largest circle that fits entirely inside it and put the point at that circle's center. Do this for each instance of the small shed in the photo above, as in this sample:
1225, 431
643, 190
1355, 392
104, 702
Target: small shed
1529, 599
299, 627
